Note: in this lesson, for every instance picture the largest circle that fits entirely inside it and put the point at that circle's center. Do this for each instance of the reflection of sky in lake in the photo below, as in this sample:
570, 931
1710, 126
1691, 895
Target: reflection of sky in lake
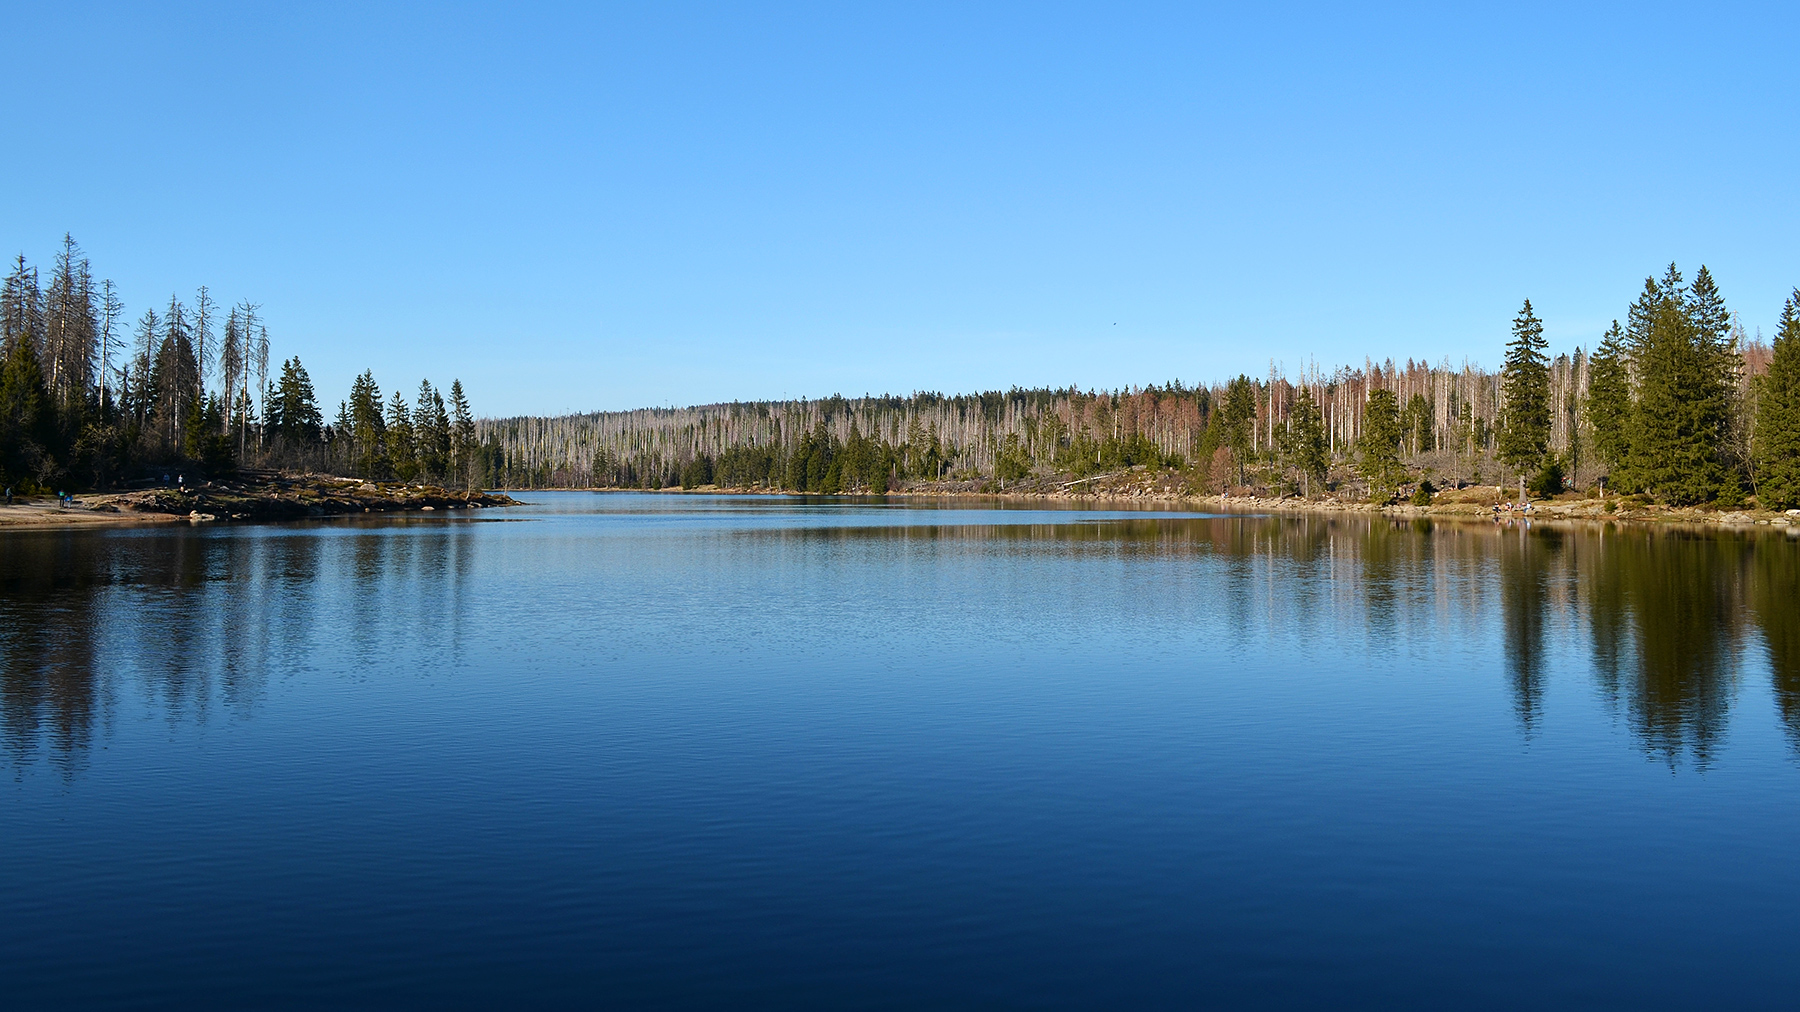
729, 749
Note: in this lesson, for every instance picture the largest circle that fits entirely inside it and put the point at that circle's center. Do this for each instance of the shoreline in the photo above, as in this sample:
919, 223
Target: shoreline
268, 496
1460, 505
260, 496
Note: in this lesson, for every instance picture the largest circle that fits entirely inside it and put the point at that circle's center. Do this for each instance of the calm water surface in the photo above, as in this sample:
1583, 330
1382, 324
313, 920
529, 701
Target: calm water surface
659, 751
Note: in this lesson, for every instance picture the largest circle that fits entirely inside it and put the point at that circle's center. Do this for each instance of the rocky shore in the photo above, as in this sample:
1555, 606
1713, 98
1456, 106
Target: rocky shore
248, 496
1166, 489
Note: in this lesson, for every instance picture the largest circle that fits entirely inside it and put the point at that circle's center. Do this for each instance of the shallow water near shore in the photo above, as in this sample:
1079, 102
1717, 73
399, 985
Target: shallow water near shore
690, 751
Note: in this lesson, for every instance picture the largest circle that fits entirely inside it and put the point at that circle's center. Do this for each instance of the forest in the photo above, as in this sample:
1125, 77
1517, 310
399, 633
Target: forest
90, 399
1677, 404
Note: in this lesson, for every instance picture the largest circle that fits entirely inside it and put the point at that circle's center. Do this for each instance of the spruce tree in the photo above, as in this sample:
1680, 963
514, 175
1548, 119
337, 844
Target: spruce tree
1713, 327
1306, 439
1609, 397
431, 432
1638, 316
462, 435
1525, 384
368, 429
1380, 445
1678, 419
1775, 446
69, 331
294, 409
27, 420
402, 448
1235, 417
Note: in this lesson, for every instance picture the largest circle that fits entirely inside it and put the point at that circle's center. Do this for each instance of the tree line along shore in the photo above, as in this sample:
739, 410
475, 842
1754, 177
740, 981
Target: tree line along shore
91, 399
1676, 407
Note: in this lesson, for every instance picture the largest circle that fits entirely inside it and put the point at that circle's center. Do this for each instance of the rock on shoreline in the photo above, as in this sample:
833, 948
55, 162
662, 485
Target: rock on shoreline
254, 496
1150, 488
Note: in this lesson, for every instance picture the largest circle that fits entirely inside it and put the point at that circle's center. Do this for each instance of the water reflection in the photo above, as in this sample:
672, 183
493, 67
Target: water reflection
198, 622
1527, 561
1775, 599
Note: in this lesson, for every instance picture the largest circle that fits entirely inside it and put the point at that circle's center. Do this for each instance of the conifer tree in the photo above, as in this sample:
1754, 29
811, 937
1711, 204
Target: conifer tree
206, 313
1306, 440
1415, 424
27, 421
21, 307
1235, 417
112, 314
1643, 309
1678, 418
1775, 446
1525, 382
431, 432
1609, 397
69, 331
367, 429
294, 410
402, 448
177, 374
1380, 445
462, 435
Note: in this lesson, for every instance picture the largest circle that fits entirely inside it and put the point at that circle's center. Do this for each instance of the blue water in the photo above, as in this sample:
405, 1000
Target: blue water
682, 751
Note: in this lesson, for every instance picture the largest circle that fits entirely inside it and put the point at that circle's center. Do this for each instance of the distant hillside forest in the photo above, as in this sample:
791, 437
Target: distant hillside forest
1677, 403
89, 399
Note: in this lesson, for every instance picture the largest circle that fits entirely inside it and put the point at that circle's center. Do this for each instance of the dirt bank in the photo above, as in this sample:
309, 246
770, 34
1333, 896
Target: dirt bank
1152, 488
253, 496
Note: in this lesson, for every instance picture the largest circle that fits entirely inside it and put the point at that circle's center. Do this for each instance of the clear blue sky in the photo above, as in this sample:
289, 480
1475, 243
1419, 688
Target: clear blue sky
580, 207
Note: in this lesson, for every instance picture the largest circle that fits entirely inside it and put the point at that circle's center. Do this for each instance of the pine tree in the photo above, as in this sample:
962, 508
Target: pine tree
21, 307
402, 450
367, 429
1609, 397
1306, 440
231, 358
206, 313
1380, 445
177, 374
27, 421
294, 414
1678, 419
1643, 310
462, 436
431, 432
1775, 446
143, 365
1416, 425
69, 331
1525, 382
112, 313
1235, 418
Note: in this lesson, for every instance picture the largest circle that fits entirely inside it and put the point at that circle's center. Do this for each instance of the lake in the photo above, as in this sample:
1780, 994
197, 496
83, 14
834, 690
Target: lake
689, 751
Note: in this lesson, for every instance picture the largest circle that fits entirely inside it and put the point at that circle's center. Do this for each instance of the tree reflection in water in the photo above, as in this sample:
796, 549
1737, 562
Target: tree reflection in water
196, 620
193, 619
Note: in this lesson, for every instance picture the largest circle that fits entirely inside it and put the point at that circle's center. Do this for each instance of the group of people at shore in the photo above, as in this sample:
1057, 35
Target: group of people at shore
63, 499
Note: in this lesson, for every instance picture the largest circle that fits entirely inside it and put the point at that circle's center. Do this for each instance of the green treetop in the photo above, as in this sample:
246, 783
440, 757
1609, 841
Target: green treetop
1380, 445
1609, 397
1775, 447
1235, 416
1525, 384
1305, 440
1678, 420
